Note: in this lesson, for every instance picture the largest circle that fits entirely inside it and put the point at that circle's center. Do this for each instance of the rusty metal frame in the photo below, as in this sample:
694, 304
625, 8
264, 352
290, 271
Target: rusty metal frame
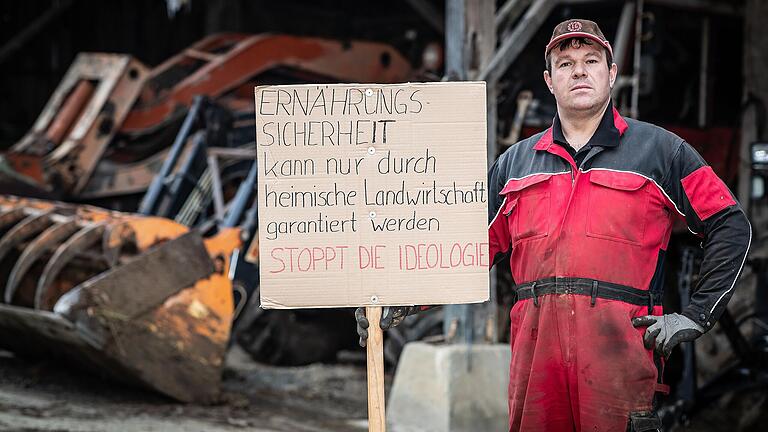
113, 179
123, 96
118, 78
247, 56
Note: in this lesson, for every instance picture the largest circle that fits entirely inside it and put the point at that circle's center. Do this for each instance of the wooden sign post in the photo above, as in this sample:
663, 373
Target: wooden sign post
375, 352
372, 195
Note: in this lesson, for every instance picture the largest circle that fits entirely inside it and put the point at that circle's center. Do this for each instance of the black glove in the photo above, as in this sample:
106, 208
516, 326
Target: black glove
390, 317
667, 331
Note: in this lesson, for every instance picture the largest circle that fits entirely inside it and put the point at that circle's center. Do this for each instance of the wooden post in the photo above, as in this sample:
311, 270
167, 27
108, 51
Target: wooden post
375, 351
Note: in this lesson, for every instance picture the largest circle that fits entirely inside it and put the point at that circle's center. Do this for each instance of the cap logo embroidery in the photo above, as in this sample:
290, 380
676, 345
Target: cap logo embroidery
574, 26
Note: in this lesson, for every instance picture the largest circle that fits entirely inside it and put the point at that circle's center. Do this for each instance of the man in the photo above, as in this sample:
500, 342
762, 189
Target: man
584, 211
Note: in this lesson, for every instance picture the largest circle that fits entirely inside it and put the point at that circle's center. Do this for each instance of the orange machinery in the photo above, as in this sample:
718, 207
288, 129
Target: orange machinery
108, 125
142, 298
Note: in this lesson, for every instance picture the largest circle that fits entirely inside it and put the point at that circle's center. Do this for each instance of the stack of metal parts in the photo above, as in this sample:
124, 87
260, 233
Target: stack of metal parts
150, 297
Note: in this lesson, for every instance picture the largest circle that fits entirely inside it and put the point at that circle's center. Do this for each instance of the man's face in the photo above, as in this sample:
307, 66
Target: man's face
581, 79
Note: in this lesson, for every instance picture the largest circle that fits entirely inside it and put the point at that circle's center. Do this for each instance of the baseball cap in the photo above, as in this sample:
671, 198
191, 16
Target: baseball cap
577, 28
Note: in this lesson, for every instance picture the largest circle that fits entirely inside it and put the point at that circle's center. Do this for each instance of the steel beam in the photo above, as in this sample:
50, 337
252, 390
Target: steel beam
517, 40
623, 30
509, 12
470, 39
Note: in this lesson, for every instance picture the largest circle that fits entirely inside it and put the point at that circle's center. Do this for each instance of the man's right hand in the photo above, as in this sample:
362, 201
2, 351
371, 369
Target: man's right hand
390, 317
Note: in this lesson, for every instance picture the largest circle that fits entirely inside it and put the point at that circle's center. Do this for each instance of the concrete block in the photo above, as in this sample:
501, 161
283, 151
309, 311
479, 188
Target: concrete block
450, 388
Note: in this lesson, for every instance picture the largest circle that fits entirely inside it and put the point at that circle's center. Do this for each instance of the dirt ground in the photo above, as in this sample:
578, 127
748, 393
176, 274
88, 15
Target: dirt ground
42, 396
50, 397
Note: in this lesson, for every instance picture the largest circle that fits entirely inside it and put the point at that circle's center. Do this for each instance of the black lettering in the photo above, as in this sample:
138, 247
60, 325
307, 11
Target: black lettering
417, 101
283, 104
412, 223
264, 129
320, 97
310, 133
339, 133
374, 105
330, 133
343, 102
383, 97
358, 131
384, 132
296, 134
400, 108
263, 102
297, 99
353, 103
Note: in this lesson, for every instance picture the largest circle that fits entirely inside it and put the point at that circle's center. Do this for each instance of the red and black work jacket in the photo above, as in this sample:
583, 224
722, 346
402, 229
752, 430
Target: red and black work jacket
606, 212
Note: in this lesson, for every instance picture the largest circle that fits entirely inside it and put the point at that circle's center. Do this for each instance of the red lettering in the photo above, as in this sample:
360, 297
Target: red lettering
377, 258
328, 257
370, 257
309, 260
360, 251
442, 259
455, 247
415, 257
343, 249
437, 255
290, 252
483, 254
419, 260
464, 255
425, 256
318, 255
277, 259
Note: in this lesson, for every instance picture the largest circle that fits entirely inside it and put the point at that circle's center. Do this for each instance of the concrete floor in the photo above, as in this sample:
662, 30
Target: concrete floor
42, 396
46, 396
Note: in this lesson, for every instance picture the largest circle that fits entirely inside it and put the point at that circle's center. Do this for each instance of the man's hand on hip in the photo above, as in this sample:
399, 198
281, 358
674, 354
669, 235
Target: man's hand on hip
666, 331
390, 317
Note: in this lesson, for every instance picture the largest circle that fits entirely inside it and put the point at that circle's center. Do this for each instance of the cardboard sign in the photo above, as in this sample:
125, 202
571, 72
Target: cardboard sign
372, 194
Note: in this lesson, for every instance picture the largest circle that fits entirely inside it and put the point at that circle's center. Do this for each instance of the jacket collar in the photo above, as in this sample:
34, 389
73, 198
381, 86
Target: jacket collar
611, 128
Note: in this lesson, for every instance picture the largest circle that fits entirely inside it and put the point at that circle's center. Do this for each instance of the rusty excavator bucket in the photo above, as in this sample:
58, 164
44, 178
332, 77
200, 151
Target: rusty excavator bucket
143, 299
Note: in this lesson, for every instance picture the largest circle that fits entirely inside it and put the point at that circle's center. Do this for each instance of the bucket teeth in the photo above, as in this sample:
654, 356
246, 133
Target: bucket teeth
137, 298
25, 229
11, 216
45, 292
45, 242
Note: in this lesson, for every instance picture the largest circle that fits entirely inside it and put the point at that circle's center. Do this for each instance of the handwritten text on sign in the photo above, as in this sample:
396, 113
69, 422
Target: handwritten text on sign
372, 194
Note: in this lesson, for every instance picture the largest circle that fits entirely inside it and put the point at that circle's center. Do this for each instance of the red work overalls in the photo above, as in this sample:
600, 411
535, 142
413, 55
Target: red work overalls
585, 247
